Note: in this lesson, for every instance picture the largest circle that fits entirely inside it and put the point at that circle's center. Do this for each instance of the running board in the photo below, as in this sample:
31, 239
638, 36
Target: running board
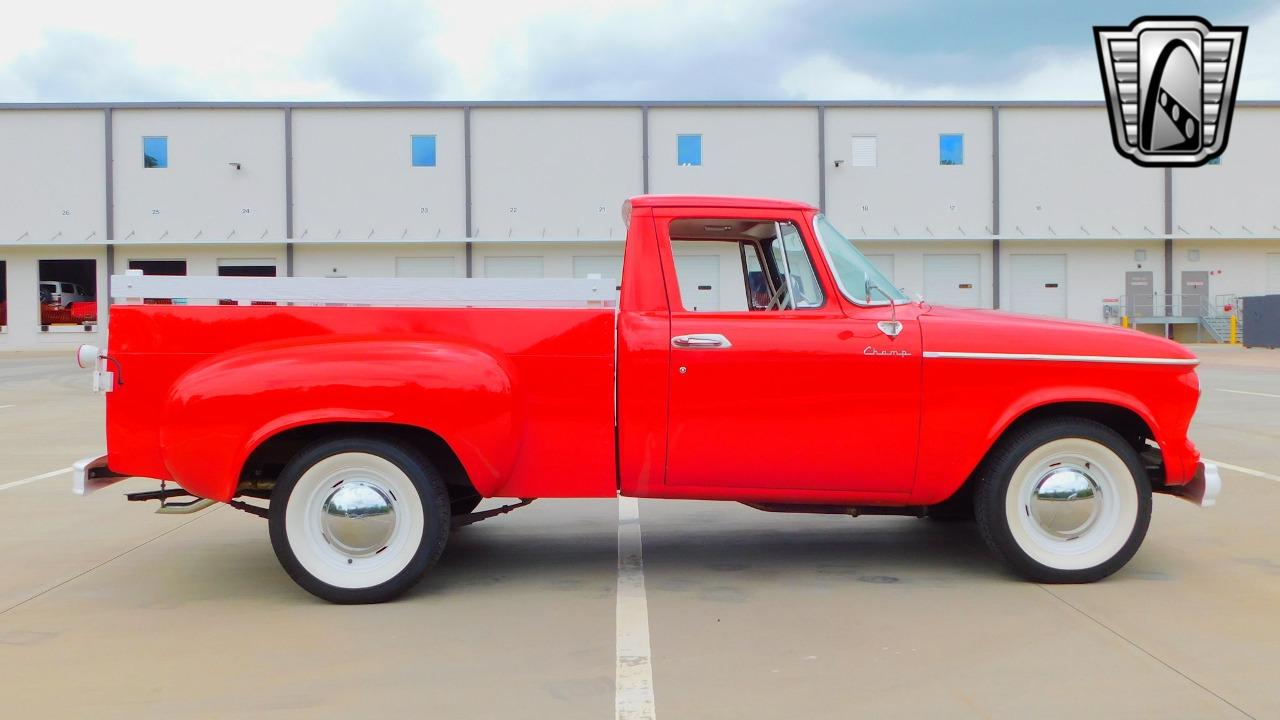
194, 505
850, 510
475, 517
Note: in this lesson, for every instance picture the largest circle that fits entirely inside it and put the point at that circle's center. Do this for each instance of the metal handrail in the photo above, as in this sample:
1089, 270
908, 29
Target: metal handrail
1208, 314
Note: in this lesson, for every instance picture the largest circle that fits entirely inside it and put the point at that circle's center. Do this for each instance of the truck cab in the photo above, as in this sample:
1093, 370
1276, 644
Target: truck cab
785, 354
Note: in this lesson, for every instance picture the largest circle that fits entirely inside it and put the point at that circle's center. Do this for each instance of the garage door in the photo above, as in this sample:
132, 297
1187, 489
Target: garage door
602, 266
953, 279
427, 267
1038, 284
513, 267
1273, 273
699, 280
884, 263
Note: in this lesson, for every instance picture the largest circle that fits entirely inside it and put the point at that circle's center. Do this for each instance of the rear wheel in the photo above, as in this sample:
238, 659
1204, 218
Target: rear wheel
1064, 501
358, 520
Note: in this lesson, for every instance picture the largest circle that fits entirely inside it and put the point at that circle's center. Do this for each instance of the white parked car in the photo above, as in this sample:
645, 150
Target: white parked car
62, 294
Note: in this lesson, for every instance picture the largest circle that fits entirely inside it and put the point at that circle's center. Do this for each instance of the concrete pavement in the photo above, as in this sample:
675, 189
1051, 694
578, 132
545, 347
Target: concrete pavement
108, 610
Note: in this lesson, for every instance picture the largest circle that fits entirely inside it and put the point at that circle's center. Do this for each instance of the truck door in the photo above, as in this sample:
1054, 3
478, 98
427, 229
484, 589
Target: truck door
780, 387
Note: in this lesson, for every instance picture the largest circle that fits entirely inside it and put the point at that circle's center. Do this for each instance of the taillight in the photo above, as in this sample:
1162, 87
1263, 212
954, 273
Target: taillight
87, 356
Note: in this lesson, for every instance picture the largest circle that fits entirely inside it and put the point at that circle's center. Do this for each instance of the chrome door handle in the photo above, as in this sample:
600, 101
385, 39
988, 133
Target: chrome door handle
701, 341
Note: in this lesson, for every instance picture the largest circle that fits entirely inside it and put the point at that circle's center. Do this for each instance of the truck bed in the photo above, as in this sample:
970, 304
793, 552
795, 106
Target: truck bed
528, 390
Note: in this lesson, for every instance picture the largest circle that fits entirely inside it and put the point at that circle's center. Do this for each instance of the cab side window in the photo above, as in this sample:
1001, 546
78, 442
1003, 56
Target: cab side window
743, 265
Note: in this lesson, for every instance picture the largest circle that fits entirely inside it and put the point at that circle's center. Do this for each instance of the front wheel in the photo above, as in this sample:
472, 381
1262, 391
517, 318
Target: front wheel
1064, 501
358, 520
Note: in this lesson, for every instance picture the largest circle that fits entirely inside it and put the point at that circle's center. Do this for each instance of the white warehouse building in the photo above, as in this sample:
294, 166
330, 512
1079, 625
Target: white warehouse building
1024, 206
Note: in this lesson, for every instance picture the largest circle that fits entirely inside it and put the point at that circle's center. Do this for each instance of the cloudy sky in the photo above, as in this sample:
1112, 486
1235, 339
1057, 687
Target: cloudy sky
124, 50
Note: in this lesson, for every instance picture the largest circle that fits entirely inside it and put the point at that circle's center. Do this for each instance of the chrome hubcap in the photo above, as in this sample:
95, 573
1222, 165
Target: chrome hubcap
358, 518
1066, 502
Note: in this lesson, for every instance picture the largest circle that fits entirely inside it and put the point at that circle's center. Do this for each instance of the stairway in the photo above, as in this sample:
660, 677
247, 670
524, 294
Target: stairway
1219, 326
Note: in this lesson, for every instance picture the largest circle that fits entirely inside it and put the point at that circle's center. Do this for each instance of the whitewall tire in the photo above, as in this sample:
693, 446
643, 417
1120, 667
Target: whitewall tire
358, 520
1064, 500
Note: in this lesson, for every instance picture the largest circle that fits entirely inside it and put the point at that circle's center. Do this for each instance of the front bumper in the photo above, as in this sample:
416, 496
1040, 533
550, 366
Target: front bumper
1204, 487
91, 474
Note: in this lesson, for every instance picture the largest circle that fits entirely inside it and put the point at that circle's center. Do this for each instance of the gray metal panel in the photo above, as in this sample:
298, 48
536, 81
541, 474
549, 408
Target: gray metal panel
466, 180
1194, 293
644, 147
110, 201
822, 158
111, 186
1261, 316
288, 174
995, 207
288, 191
1139, 293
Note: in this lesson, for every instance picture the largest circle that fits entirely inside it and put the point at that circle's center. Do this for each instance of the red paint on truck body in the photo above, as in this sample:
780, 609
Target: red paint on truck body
808, 406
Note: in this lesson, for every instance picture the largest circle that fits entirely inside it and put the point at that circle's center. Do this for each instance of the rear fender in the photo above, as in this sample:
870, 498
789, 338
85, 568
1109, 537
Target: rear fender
221, 410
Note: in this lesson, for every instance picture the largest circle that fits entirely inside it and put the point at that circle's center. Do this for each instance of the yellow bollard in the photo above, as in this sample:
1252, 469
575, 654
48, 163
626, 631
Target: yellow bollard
1124, 321
1235, 331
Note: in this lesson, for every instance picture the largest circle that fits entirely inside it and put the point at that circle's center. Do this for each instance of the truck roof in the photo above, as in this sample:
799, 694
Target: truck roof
716, 201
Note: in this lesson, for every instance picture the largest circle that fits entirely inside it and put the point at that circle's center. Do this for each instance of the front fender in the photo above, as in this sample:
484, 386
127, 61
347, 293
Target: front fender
222, 409
956, 436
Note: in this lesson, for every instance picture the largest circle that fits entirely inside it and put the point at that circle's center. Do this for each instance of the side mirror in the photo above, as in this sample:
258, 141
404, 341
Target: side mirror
890, 327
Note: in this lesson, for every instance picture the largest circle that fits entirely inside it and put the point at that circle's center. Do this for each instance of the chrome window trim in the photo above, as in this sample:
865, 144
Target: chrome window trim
1115, 359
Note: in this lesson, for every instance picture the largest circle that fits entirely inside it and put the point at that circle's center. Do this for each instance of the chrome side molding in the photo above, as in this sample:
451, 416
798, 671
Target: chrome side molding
1118, 359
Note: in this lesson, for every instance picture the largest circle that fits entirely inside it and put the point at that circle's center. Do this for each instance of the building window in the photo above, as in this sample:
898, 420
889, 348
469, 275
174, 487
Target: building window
424, 150
688, 150
155, 152
951, 149
68, 295
864, 151
246, 267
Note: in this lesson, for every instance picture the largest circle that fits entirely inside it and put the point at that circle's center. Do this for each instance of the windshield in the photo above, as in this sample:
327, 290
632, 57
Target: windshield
854, 272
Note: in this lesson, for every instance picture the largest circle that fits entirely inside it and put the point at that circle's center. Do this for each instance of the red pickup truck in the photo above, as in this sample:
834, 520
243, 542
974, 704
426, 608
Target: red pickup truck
810, 385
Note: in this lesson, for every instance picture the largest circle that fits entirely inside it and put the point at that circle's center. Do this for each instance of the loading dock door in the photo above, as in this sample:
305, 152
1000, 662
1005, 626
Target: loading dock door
1038, 284
952, 279
602, 266
1195, 292
699, 280
424, 267
1139, 293
513, 267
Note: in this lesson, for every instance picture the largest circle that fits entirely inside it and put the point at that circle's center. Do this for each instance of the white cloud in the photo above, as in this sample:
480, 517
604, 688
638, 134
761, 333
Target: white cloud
1061, 75
86, 50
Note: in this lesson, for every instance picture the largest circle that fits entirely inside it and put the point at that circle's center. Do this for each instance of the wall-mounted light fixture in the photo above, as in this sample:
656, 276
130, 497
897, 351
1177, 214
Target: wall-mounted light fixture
1193, 255
1140, 255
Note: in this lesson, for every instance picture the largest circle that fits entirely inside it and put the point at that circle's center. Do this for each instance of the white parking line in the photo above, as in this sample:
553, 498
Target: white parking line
2, 407
1245, 470
1246, 392
34, 478
633, 689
